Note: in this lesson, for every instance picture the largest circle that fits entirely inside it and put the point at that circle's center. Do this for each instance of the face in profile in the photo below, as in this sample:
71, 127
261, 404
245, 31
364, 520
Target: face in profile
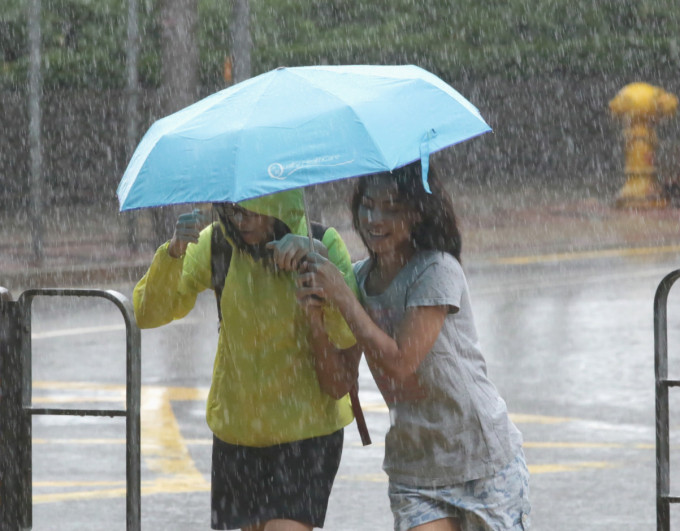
255, 229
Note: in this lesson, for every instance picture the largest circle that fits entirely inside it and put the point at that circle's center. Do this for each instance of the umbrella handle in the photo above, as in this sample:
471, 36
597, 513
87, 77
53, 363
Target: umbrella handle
309, 223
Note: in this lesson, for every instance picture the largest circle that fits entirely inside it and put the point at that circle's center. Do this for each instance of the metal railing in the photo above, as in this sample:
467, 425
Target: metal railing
16, 410
662, 385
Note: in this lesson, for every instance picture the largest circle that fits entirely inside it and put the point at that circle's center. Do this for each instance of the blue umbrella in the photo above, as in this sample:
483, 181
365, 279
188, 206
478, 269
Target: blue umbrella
294, 127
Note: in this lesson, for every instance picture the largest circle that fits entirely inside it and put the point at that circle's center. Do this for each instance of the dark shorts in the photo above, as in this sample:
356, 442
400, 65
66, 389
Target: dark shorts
289, 481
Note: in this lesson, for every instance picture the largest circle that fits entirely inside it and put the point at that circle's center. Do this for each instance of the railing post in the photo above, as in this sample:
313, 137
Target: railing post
663, 482
15, 430
16, 411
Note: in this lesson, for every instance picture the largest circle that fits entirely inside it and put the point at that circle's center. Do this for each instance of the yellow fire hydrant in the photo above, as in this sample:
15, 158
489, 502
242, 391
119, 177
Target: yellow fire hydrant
640, 107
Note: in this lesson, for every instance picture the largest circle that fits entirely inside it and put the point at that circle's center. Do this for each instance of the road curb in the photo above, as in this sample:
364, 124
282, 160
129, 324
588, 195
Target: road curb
74, 275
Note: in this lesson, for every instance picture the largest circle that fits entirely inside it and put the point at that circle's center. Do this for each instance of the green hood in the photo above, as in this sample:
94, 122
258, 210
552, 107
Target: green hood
288, 206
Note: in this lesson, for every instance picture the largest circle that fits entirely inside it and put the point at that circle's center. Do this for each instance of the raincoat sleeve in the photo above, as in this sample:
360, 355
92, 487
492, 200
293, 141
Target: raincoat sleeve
337, 329
169, 288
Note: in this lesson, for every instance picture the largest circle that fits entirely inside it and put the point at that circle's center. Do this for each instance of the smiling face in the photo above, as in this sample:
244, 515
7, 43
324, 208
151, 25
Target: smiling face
385, 222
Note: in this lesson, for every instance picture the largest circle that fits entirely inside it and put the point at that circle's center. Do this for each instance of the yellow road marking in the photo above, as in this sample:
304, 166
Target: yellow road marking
533, 469
79, 441
568, 467
188, 442
65, 332
375, 444
64, 399
186, 393
78, 385
66, 484
374, 407
77, 331
161, 486
164, 450
587, 255
519, 418
198, 442
371, 478
571, 445
79, 495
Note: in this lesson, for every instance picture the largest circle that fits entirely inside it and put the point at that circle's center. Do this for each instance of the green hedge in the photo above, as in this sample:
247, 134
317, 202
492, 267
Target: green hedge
83, 40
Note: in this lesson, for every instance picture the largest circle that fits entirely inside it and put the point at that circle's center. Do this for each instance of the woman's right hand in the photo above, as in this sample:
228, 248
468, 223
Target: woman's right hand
187, 230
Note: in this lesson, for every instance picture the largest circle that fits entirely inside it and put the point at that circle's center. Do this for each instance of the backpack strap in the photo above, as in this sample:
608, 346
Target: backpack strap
318, 230
220, 258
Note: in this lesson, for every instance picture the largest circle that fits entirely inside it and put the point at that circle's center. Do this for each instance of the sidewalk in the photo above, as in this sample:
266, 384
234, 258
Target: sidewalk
86, 246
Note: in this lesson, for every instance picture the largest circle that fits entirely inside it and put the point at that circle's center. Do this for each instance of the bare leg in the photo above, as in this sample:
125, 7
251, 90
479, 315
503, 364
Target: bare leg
286, 525
257, 527
445, 524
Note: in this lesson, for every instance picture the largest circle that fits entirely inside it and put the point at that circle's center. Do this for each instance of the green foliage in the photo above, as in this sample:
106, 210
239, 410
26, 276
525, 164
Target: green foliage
213, 40
473, 37
82, 43
84, 40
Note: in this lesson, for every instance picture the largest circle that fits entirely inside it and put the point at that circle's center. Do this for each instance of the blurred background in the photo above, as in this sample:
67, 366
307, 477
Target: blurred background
82, 80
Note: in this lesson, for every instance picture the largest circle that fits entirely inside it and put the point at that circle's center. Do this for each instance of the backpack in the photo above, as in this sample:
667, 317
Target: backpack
220, 258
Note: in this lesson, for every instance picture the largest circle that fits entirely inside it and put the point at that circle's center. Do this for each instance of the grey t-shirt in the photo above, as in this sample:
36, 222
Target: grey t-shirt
448, 422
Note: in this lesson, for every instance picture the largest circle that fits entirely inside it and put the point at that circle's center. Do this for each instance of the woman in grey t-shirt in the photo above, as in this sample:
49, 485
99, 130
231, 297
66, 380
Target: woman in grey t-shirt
453, 457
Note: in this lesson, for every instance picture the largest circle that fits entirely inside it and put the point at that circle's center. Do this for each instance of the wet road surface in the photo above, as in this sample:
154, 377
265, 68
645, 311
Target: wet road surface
569, 344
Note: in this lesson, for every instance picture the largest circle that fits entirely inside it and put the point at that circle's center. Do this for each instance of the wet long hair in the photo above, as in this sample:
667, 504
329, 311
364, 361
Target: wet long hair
257, 252
437, 228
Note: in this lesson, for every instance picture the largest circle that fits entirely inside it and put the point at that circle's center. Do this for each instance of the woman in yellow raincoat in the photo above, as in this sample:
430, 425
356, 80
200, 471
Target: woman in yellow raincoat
277, 434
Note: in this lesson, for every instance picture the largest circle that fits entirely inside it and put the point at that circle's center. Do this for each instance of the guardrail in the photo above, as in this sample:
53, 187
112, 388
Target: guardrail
662, 386
16, 410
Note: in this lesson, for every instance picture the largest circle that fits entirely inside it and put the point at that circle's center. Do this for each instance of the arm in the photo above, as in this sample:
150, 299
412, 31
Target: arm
336, 356
169, 288
336, 369
155, 295
397, 357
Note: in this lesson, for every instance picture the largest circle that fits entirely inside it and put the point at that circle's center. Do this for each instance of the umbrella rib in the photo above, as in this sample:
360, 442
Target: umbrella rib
348, 105
237, 146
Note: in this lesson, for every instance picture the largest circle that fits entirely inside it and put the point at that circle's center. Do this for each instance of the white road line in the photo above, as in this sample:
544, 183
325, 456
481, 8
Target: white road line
65, 332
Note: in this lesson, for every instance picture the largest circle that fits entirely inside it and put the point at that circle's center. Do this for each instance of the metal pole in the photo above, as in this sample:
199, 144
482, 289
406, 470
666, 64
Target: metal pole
15, 434
23, 382
34, 136
132, 55
663, 498
133, 340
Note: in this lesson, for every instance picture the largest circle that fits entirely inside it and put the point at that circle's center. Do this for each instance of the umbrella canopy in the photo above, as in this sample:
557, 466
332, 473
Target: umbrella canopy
293, 127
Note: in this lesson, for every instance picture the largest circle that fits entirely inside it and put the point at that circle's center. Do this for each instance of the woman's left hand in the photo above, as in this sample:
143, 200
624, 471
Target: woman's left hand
319, 277
290, 251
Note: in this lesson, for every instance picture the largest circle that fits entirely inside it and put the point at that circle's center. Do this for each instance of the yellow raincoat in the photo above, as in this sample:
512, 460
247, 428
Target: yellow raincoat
264, 388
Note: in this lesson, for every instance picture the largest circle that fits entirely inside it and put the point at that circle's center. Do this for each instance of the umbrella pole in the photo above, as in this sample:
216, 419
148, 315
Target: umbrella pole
309, 223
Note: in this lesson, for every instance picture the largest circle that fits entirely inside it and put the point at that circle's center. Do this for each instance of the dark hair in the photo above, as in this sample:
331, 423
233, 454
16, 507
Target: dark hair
437, 228
258, 252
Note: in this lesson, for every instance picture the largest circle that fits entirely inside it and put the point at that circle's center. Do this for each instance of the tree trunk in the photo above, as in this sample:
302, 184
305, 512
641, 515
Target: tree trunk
241, 42
132, 131
35, 130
